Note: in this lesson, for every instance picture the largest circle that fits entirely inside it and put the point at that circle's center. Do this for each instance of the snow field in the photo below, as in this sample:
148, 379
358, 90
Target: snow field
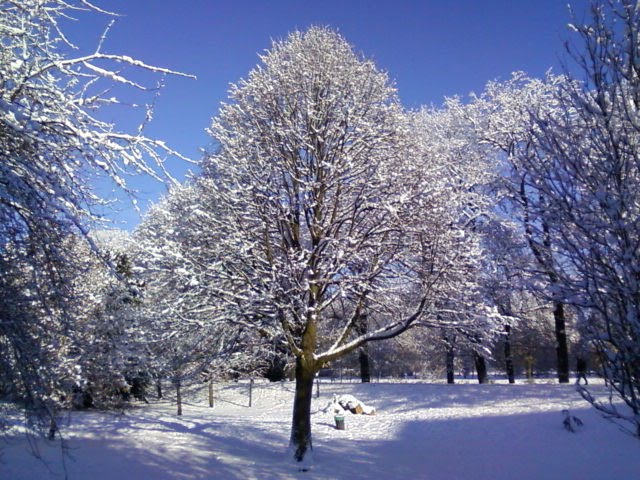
421, 431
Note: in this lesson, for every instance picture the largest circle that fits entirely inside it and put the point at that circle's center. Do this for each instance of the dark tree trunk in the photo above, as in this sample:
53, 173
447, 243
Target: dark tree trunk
276, 371
562, 350
451, 356
53, 428
543, 253
210, 393
481, 367
177, 384
508, 359
363, 351
365, 367
159, 388
301, 426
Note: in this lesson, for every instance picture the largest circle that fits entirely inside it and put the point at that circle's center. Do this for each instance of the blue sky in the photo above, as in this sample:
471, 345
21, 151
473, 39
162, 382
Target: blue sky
431, 49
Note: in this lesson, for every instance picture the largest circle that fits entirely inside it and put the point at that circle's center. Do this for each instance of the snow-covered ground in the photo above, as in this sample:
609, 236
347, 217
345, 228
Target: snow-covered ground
421, 431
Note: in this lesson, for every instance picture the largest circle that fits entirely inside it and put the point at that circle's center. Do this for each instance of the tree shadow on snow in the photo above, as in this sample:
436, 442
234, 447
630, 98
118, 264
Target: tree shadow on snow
528, 446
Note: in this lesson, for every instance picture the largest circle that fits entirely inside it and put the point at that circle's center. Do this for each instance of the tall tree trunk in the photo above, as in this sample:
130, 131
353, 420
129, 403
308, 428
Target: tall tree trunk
450, 358
508, 359
363, 351
210, 392
481, 367
53, 428
301, 425
562, 351
543, 252
365, 367
159, 387
177, 384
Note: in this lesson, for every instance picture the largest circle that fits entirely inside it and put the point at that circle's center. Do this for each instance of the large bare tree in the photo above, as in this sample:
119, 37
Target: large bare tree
324, 197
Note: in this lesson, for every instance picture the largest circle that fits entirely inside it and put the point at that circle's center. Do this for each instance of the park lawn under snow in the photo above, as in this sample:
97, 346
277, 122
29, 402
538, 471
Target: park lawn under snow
420, 431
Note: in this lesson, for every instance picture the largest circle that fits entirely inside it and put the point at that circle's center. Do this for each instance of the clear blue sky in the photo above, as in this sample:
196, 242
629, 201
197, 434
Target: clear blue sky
431, 48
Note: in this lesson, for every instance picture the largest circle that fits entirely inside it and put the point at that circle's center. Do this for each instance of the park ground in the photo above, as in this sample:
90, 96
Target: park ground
421, 430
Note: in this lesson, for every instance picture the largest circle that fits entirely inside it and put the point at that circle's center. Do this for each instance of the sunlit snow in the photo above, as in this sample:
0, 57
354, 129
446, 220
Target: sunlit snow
420, 431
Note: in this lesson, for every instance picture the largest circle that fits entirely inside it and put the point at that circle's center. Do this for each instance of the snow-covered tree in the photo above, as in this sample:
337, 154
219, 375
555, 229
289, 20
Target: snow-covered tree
173, 257
501, 277
33, 339
587, 167
110, 344
502, 116
324, 196
54, 144
449, 134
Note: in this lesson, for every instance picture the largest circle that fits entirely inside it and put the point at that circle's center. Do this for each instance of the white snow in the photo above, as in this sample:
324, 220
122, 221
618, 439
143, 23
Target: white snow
348, 404
421, 431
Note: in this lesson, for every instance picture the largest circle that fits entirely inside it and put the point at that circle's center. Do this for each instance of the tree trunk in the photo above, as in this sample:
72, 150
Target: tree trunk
301, 425
562, 351
365, 366
481, 367
53, 428
529, 366
544, 256
176, 382
508, 359
210, 393
277, 369
450, 358
159, 388
363, 351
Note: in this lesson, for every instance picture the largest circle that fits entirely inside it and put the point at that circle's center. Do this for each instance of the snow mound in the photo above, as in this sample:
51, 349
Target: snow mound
349, 403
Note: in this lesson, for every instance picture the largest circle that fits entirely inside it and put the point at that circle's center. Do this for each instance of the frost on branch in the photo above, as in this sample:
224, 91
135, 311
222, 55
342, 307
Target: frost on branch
572, 150
587, 164
53, 144
174, 257
335, 225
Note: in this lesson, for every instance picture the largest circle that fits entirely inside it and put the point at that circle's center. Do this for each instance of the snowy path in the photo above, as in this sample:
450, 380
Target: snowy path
422, 431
